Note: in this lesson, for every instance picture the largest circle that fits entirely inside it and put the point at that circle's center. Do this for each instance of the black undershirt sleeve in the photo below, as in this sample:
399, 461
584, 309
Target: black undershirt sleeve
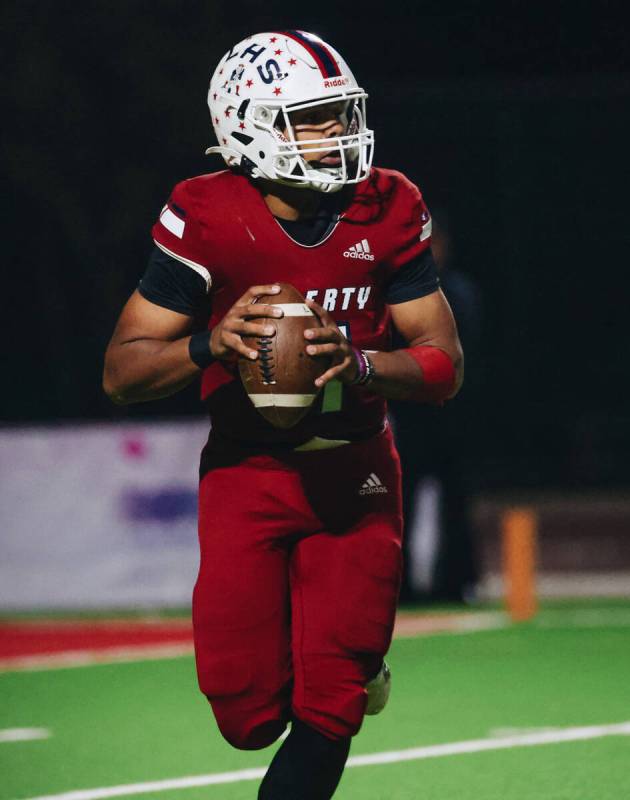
173, 285
418, 278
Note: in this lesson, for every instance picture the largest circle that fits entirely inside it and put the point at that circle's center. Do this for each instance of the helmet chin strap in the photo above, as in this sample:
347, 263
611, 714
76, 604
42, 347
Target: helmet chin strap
234, 158
306, 182
322, 188
309, 178
328, 188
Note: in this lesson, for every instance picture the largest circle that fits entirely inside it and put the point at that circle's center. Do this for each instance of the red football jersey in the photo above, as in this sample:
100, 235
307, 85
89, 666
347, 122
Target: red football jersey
220, 225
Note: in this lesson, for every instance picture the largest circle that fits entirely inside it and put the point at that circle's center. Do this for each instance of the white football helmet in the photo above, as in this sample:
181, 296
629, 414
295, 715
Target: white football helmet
255, 88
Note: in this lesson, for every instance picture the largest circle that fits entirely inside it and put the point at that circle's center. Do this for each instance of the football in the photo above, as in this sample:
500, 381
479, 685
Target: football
280, 383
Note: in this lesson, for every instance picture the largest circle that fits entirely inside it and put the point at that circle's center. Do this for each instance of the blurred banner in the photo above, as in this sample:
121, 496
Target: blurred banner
99, 515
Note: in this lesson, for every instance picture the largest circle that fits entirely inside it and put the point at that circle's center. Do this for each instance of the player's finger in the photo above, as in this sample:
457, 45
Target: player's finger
234, 342
254, 310
326, 334
257, 291
324, 349
329, 374
243, 328
323, 315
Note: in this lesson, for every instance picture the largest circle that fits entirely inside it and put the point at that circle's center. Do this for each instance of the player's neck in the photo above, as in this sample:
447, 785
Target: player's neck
287, 202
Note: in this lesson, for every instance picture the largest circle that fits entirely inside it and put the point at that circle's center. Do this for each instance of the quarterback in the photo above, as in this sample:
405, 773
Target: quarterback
299, 528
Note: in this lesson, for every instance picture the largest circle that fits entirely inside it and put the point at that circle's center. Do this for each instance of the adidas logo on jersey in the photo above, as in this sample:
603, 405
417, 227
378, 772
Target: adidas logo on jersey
373, 485
360, 250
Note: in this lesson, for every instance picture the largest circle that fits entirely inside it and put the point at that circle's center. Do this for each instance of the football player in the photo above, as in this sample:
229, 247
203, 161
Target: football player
299, 529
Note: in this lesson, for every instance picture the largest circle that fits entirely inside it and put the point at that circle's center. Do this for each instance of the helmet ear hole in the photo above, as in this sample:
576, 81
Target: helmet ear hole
261, 154
263, 114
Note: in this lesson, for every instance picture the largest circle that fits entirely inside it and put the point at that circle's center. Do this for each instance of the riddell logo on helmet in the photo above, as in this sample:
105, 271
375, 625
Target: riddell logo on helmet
336, 82
360, 250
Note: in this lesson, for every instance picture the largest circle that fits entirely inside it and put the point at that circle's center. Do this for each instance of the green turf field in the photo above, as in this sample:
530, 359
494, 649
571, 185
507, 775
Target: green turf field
141, 722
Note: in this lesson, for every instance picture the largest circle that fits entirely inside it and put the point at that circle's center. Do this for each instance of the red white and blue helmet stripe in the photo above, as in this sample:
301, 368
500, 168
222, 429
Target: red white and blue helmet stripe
323, 57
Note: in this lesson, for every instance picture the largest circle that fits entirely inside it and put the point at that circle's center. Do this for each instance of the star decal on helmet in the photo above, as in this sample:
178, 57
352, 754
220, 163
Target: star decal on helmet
227, 112
277, 52
277, 91
273, 39
249, 82
292, 62
241, 125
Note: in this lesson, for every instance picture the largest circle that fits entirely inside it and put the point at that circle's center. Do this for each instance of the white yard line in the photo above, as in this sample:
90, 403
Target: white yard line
23, 734
500, 733
388, 757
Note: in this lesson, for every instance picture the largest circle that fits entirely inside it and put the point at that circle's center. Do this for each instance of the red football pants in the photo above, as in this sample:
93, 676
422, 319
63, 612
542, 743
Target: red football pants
294, 604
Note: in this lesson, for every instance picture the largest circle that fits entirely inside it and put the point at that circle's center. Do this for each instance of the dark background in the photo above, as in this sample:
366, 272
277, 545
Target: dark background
512, 117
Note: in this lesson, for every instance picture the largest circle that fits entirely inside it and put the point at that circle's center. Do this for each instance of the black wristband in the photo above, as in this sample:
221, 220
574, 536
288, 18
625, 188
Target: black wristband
199, 349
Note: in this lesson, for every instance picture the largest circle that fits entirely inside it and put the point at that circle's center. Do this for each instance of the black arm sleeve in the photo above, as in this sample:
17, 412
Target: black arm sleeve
170, 284
413, 280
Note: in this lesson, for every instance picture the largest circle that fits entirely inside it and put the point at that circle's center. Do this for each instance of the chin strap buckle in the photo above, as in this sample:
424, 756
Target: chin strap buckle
235, 159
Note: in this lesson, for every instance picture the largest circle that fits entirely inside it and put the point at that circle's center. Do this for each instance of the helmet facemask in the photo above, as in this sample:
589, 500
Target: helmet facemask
289, 159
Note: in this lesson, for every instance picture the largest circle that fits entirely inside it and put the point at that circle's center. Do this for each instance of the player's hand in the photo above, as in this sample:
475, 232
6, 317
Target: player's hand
329, 341
226, 342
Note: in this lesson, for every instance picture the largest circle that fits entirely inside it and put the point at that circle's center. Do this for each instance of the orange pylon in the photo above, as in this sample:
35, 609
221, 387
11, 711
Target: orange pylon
519, 533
